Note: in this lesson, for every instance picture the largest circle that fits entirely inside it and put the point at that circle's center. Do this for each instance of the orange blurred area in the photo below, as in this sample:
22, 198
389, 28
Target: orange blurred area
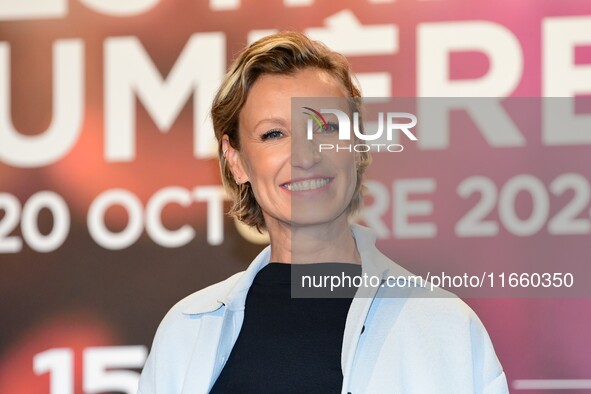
75, 331
84, 174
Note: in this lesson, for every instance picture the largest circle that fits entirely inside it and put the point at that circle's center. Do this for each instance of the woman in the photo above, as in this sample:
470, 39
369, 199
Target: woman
246, 334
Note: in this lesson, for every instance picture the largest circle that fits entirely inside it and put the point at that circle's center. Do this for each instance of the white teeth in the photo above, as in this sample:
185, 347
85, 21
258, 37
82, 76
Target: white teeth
309, 184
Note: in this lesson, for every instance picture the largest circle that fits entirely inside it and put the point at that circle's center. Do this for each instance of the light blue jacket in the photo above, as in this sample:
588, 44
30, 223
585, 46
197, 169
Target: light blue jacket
409, 344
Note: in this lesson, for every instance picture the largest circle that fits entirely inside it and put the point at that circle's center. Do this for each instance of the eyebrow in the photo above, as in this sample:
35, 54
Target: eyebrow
280, 121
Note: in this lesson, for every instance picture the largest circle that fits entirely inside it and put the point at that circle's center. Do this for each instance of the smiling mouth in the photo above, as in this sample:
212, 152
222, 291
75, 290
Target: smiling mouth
308, 184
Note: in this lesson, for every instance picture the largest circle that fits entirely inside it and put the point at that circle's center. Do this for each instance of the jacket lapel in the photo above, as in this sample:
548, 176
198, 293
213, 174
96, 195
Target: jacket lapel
353, 326
204, 358
374, 264
221, 315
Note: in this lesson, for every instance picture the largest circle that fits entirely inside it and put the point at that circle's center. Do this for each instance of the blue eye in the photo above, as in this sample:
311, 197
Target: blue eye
271, 134
328, 127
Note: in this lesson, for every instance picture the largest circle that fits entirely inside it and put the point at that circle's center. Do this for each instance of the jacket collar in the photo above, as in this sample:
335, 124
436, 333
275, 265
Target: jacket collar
232, 292
235, 299
374, 262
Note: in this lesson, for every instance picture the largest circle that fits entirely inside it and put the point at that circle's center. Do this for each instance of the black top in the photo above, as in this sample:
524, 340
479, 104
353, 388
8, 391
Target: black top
287, 345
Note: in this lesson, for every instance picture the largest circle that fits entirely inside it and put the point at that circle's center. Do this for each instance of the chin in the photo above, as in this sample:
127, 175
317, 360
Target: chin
314, 216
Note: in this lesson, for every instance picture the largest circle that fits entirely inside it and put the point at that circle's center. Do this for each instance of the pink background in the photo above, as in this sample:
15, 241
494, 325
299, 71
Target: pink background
83, 295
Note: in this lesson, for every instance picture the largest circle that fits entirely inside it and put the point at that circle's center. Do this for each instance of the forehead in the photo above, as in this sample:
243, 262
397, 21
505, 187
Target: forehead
271, 94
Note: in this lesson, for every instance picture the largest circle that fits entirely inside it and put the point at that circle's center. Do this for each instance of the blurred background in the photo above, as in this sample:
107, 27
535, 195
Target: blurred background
112, 210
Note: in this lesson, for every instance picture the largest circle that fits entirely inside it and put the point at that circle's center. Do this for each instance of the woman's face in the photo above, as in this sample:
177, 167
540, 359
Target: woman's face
292, 180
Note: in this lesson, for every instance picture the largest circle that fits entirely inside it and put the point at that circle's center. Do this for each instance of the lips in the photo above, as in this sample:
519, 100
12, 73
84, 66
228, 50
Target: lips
306, 184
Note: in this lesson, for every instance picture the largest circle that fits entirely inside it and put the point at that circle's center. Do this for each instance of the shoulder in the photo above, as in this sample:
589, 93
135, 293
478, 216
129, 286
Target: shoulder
449, 335
441, 335
440, 313
177, 333
437, 332
435, 318
181, 324
419, 297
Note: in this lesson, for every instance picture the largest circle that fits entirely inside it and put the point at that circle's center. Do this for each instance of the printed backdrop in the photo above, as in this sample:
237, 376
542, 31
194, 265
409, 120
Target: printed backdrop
111, 207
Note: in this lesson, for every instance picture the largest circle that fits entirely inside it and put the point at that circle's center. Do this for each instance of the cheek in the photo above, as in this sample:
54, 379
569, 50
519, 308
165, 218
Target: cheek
353, 181
348, 163
249, 164
352, 171
262, 169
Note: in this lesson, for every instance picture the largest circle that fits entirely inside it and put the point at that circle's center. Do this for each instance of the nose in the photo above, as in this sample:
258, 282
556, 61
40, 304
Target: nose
304, 153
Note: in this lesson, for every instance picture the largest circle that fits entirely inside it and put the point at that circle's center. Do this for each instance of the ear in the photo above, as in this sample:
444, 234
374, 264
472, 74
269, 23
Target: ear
234, 160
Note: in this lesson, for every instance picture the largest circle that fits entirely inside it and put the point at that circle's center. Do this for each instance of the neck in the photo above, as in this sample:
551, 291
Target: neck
302, 244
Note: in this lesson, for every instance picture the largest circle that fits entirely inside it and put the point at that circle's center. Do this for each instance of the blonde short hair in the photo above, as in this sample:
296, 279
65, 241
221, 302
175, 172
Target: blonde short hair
282, 53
